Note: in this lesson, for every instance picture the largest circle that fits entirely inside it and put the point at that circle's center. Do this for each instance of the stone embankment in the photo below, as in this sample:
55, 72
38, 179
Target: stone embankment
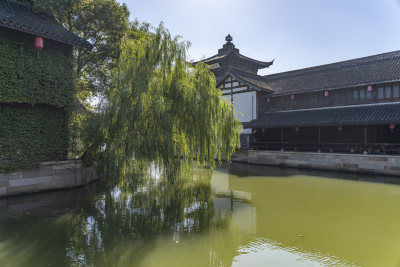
48, 176
356, 163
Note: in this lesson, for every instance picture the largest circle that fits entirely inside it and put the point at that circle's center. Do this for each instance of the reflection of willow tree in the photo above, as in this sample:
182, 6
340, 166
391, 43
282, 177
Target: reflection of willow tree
124, 224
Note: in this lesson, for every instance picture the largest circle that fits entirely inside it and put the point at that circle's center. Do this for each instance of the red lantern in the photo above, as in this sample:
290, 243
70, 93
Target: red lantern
292, 97
340, 128
392, 126
369, 89
297, 129
263, 130
38, 42
268, 100
326, 93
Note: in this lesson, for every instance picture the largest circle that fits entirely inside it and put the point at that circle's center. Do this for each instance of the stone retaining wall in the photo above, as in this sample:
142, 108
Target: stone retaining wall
240, 156
373, 164
48, 176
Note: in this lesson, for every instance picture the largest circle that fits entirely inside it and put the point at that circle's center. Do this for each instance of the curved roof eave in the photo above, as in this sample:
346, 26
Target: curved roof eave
20, 17
217, 57
240, 79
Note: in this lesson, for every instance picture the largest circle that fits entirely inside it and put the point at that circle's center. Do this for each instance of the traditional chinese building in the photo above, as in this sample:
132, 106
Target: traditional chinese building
36, 86
349, 106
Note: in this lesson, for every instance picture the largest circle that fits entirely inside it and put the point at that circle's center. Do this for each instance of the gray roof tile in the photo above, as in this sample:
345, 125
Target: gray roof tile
351, 73
348, 115
21, 17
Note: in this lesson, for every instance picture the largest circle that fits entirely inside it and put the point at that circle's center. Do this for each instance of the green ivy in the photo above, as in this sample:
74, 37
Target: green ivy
29, 77
36, 96
30, 135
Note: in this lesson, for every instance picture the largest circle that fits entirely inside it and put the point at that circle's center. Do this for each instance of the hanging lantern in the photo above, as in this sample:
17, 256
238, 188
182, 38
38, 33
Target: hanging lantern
263, 130
392, 126
326, 93
297, 129
340, 128
39, 42
268, 100
292, 97
369, 89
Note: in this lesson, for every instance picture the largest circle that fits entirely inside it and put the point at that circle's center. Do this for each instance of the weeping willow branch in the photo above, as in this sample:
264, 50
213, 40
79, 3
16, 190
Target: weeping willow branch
162, 109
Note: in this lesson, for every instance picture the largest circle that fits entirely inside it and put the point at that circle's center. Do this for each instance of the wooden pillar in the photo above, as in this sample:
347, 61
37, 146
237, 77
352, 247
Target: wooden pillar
231, 90
319, 135
365, 134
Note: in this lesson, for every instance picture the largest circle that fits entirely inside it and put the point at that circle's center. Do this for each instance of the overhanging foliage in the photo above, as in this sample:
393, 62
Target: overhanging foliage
162, 110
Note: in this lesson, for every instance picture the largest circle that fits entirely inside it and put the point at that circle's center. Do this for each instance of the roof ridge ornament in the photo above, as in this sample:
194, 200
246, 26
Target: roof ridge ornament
228, 46
228, 38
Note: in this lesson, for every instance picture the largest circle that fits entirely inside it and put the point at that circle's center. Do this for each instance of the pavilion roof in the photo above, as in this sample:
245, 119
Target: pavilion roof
369, 114
233, 53
230, 52
21, 17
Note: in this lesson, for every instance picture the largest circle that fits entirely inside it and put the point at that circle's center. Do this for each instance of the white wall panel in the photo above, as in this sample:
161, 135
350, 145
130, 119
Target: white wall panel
245, 105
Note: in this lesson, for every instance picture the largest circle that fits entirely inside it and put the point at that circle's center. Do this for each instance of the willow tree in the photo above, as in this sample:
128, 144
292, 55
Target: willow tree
163, 110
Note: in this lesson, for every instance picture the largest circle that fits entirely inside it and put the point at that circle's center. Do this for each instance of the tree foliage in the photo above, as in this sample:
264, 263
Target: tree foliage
103, 23
162, 109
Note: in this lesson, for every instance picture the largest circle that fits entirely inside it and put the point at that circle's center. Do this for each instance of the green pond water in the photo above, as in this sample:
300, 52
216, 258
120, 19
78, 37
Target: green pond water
243, 215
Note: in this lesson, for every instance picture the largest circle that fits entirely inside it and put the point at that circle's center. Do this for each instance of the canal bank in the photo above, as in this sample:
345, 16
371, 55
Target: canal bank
48, 176
355, 163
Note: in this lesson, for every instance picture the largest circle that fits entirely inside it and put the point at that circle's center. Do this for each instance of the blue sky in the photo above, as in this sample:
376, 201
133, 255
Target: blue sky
297, 33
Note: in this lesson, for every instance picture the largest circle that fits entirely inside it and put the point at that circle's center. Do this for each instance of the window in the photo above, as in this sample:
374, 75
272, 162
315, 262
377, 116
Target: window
349, 96
336, 97
235, 84
301, 101
362, 94
342, 96
280, 102
396, 92
380, 93
308, 101
321, 99
388, 92
355, 95
369, 94
315, 99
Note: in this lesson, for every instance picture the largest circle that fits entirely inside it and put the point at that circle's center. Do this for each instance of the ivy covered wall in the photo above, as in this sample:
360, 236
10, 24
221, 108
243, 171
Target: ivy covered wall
36, 94
26, 77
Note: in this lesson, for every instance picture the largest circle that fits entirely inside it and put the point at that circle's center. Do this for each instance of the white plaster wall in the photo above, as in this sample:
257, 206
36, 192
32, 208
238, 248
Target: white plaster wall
245, 105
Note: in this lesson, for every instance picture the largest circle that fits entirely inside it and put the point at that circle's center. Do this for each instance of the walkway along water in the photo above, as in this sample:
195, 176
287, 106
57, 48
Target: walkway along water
357, 163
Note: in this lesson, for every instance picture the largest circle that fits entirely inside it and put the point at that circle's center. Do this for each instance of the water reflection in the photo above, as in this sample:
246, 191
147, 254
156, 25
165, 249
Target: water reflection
243, 216
103, 227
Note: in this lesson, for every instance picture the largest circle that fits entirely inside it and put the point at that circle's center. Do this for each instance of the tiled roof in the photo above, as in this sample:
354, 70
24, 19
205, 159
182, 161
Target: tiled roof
356, 72
231, 53
351, 115
21, 17
250, 79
